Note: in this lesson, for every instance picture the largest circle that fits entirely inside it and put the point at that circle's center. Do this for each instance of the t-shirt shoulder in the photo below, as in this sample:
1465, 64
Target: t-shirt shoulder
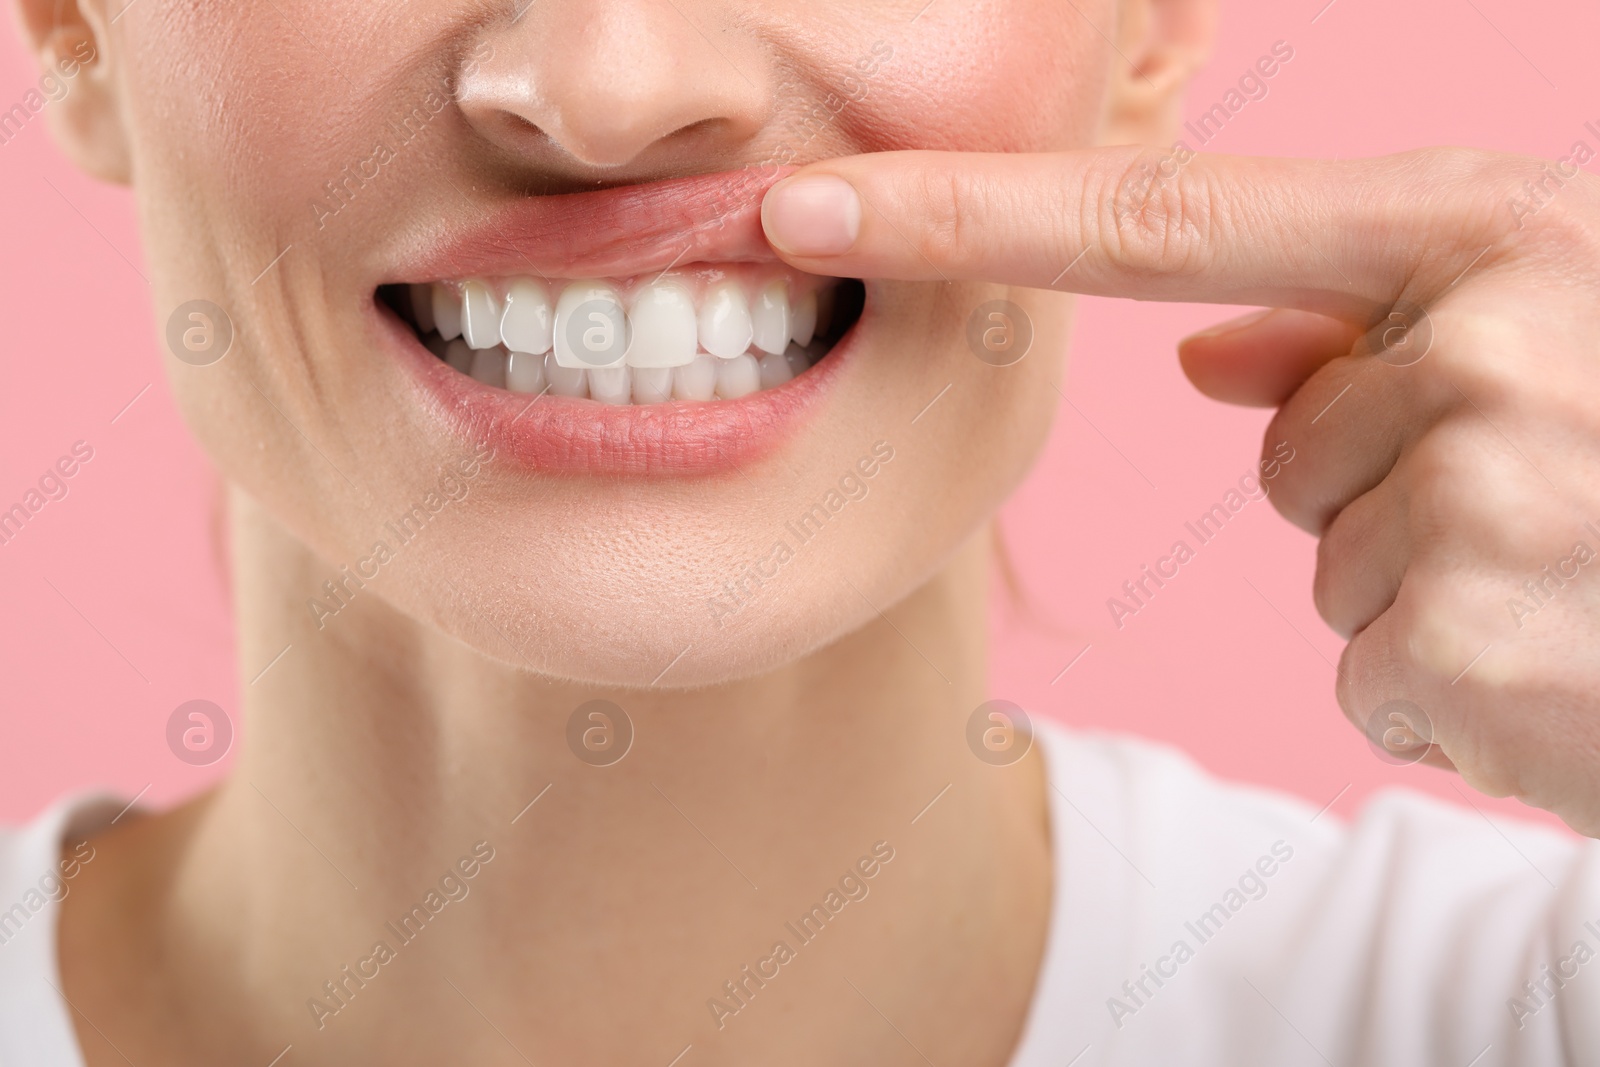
38, 863
1203, 922
1194, 922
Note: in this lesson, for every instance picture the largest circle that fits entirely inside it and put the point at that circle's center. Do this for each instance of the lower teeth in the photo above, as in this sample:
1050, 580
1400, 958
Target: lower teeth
707, 378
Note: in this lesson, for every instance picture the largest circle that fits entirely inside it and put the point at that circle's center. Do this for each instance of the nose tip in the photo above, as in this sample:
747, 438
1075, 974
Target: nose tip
615, 126
605, 85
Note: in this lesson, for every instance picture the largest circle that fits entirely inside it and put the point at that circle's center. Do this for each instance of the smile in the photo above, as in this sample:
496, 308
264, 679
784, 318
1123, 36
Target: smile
643, 329
706, 332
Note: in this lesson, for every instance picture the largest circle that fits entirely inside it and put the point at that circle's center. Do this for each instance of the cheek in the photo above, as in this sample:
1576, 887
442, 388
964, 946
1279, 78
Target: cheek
242, 114
994, 76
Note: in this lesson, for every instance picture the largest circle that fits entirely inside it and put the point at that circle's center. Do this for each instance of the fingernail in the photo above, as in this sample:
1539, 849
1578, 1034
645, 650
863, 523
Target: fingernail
1231, 325
812, 216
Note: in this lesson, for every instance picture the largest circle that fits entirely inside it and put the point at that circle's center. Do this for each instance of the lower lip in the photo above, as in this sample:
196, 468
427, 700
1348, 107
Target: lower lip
558, 434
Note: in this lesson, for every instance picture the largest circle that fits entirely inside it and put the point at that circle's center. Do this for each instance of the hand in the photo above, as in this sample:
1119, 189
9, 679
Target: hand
1436, 356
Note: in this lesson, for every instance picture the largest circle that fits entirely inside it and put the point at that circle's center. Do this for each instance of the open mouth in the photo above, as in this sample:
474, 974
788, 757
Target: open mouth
627, 331
701, 333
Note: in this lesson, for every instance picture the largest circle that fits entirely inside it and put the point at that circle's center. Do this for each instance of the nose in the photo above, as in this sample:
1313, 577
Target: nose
608, 83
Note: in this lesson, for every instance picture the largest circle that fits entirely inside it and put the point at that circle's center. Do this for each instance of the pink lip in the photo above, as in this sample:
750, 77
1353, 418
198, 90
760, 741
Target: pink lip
556, 434
622, 232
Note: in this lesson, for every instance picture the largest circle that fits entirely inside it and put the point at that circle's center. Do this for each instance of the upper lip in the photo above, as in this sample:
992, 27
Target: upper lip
623, 231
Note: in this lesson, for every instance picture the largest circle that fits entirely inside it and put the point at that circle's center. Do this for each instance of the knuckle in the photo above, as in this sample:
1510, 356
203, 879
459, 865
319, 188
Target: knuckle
1521, 207
952, 205
1439, 639
1440, 479
1463, 195
1361, 561
941, 199
1461, 168
1290, 494
1442, 629
1469, 495
1509, 364
1488, 212
1480, 356
1367, 676
1339, 549
1472, 207
1552, 210
1153, 223
1474, 180
1325, 589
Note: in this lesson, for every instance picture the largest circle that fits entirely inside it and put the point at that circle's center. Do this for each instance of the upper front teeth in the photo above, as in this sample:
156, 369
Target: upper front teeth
527, 325
589, 325
724, 324
480, 315
446, 313
803, 325
665, 333
591, 329
769, 319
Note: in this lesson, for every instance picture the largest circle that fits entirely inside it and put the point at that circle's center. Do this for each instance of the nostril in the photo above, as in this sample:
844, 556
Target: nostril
608, 85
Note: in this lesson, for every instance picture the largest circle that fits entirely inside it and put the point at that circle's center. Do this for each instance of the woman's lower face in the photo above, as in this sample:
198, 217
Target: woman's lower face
508, 348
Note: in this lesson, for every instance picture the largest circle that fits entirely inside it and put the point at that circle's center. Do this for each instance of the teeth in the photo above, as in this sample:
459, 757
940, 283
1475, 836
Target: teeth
725, 328
422, 307
489, 366
803, 326
775, 370
665, 333
611, 385
565, 381
459, 355
511, 335
739, 376
526, 325
651, 385
698, 380
446, 312
480, 315
769, 319
799, 360
524, 373
591, 330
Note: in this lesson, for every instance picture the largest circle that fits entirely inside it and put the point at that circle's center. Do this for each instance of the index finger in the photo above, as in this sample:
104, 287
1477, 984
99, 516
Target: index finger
1339, 237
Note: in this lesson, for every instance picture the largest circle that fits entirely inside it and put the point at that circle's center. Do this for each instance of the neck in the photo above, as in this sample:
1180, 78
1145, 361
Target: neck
409, 829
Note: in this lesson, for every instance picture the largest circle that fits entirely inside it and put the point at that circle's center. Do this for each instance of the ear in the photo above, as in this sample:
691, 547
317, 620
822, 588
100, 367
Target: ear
1165, 42
71, 40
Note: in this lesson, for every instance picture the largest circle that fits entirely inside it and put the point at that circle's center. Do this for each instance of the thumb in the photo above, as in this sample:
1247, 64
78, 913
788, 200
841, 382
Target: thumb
1259, 360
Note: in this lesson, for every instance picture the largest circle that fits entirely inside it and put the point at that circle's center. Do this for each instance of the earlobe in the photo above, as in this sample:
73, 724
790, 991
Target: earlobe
1164, 42
76, 87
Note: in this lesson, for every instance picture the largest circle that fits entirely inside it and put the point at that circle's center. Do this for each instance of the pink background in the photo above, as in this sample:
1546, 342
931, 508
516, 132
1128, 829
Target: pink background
114, 610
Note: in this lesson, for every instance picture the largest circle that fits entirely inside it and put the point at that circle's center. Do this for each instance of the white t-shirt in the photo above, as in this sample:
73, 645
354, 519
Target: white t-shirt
1194, 924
